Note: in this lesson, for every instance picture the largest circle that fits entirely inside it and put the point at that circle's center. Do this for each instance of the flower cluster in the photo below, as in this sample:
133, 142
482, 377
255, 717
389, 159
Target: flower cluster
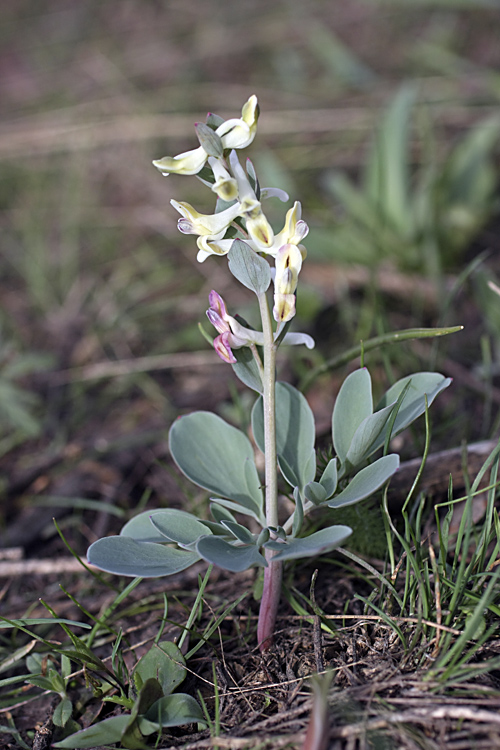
233, 335
238, 214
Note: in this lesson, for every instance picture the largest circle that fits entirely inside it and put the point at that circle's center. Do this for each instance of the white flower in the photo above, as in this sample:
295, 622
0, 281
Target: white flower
292, 233
235, 133
258, 227
224, 186
208, 225
288, 264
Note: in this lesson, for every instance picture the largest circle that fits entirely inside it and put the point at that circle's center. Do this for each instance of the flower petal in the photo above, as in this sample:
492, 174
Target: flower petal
223, 349
288, 264
260, 231
294, 230
211, 225
284, 307
217, 304
295, 339
224, 186
239, 133
218, 323
190, 162
210, 246
282, 195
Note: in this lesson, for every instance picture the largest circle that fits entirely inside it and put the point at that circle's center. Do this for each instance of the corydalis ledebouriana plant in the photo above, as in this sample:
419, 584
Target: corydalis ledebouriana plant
220, 458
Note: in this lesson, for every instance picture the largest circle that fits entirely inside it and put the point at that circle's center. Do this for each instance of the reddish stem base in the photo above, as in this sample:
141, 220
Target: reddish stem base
269, 603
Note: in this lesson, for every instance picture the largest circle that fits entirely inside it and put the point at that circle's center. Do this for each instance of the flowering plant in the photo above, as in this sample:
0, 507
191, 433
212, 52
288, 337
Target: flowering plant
220, 458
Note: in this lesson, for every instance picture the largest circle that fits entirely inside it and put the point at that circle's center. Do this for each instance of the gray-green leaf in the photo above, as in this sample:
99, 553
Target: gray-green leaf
249, 268
218, 457
329, 478
169, 523
241, 533
178, 526
314, 544
422, 384
366, 436
215, 550
127, 557
208, 138
246, 369
354, 404
315, 493
367, 481
295, 433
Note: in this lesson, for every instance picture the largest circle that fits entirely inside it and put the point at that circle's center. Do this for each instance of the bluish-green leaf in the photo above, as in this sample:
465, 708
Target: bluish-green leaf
106, 732
241, 533
298, 514
422, 384
353, 404
218, 457
208, 138
141, 529
295, 433
172, 522
127, 557
366, 436
174, 710
213, 121
165, 663
220, 513
249, 268
246, 369
178, 526
314, 544
237, 508
315, 493
288, 472
215, 550
309, 470
367, 481
329, 478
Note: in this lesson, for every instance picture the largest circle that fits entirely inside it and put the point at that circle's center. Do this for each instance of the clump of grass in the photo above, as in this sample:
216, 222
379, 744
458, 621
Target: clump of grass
444, 580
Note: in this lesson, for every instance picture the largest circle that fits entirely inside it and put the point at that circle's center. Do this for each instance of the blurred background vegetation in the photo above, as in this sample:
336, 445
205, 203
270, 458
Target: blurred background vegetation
382, 118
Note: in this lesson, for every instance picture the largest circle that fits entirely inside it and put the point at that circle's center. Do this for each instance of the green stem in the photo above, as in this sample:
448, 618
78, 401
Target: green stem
269, 398
257, 359
393, 337
273, 571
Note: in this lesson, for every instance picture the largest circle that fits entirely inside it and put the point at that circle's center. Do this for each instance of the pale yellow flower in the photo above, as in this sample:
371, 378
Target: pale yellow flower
234, 133
209, 225
288, 264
